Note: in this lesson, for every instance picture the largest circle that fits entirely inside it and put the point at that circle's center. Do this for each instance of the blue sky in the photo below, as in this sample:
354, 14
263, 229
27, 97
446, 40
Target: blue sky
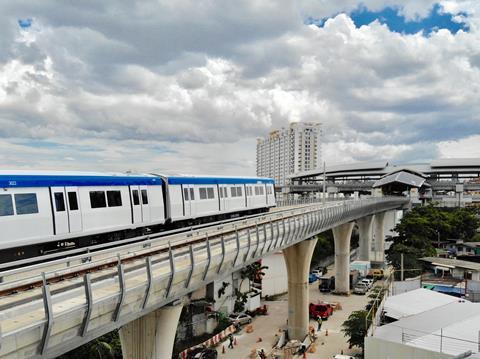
392, 17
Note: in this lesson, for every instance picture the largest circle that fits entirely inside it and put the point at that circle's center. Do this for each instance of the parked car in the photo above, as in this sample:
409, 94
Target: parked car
319, 272
240, 318
203, 353
259, 311
368, 282
375, 274
354, 276
360, 288
327, 284
341, 356
312, 278
322, 310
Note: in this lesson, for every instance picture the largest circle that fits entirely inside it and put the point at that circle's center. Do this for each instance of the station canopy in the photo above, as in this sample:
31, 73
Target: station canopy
402, 178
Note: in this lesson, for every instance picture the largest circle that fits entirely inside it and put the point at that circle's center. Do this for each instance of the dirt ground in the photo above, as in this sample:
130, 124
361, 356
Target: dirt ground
266, 327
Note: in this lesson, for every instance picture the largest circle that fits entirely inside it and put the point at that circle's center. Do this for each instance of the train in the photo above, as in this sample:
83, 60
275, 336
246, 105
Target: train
44, 211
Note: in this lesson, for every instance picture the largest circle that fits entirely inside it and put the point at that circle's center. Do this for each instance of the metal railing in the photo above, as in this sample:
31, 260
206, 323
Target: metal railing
62, 308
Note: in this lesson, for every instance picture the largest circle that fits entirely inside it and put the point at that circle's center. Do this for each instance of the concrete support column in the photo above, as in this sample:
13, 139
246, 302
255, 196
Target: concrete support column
365, 231
379, 237
151, 336
297, 259
342, 235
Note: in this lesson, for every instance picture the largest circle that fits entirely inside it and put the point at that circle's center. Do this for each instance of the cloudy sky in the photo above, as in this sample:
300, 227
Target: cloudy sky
188, 85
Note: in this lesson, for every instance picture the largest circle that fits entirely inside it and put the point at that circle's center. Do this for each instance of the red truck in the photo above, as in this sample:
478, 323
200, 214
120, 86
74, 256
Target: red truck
323, 310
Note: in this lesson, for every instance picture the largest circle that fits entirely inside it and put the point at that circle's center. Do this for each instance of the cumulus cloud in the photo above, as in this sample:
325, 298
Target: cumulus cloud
152, 86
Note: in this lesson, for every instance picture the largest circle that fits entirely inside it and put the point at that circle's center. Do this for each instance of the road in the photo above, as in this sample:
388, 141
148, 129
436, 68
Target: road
266, 327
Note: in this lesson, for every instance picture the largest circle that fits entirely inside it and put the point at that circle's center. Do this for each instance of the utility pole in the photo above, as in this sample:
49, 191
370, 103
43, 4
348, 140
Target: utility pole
401, 267
324, 184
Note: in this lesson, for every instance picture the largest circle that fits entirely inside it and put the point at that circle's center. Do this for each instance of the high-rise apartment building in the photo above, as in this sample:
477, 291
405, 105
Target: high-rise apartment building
289, 150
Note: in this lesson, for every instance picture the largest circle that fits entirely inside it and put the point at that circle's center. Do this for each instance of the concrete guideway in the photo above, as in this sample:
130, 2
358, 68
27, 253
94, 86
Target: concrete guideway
59, 316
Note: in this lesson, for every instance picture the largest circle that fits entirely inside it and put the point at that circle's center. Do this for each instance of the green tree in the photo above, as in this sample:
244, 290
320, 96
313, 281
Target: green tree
421, 228
107, 346
324, 247
355, 328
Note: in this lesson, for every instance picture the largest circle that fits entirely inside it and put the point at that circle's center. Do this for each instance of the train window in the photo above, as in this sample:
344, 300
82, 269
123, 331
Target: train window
114, 198
185, 194
26, 203
136, 199
6, 205
220, 192
192, 195
239, 192
256, 191
225, 194
97, 199
233, 191
59, 201
261, 190
73, 201
203, 193
210, 193
144, 196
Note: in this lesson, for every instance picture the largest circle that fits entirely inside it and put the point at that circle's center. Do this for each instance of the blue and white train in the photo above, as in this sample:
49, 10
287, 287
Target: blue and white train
42, 212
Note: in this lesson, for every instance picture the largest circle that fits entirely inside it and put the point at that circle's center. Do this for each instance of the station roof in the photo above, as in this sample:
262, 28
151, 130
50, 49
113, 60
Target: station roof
381, 168
402, 177
415, 302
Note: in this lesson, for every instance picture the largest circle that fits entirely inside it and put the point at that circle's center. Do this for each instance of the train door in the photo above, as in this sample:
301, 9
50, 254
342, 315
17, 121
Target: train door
144, 200
223, 198
193, 199
248, 193
189, 200
73, 209
186, 201
60, 210
136, 204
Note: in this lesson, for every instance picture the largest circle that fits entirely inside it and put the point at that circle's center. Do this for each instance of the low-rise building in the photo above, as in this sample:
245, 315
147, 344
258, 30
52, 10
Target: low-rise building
454, 268
447, 331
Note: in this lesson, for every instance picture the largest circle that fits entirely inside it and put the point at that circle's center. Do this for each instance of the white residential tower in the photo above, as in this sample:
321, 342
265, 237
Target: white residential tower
289, 150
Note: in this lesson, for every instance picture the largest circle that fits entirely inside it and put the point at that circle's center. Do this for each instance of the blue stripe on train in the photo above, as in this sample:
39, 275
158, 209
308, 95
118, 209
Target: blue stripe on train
16, 181
217, 180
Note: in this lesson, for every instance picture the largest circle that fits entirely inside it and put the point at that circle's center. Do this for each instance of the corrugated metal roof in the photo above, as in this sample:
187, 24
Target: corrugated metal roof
452, 262
404, 177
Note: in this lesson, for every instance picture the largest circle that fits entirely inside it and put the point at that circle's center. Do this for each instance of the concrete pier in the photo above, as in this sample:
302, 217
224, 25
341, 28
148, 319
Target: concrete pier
342, 235
151, 336
365, 229
379, 238
297, 259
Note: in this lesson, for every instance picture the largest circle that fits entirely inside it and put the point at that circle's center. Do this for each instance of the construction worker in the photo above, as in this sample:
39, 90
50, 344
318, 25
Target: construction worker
262, 354
319, 321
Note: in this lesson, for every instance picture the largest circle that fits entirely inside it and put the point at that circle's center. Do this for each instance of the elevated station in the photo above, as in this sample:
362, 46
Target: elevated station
439, 179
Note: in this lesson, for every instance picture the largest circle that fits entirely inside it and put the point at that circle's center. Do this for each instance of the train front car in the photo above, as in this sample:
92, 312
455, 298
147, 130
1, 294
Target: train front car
42, 212
201, 199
